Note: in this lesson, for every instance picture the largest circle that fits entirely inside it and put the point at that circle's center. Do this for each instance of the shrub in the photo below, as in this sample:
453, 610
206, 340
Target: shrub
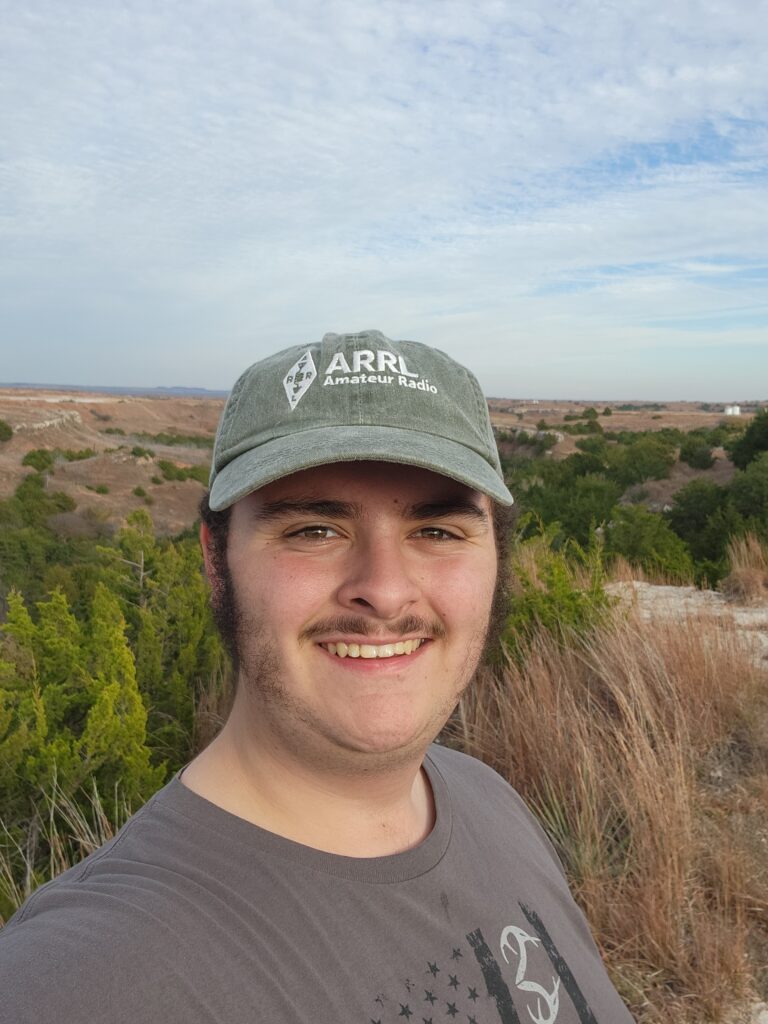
139, 492
98, 488
40, 459
645, 540
696, 453
188, 440
115, 430
142, 453
171, 471
648, 458
607, 411
752, 443
6, 431
558, 589
77, 456
749, 492
156, 479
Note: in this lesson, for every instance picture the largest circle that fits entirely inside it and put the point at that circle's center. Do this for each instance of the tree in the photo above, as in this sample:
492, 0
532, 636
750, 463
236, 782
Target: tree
749, 493
703, 517
648, 458
113, 741
696, 453
647, 541
753, 441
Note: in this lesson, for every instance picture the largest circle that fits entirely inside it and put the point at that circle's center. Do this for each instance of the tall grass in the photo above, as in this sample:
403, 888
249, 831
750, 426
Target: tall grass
643, 748
747, 580
64, 830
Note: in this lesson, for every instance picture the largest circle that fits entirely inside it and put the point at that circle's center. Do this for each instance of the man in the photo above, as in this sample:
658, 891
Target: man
322, 860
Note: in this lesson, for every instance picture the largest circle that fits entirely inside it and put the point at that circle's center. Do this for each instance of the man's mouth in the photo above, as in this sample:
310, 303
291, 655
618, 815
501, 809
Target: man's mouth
344, 650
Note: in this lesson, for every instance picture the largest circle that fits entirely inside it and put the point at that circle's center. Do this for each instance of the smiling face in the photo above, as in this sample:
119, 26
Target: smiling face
362, 594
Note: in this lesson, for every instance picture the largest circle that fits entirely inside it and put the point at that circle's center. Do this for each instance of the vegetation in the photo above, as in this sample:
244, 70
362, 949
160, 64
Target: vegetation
187, 440
696, 453
77, 456
603, 486
6, 431
642, 746
171, 471
111, 675
752, 443
41, 459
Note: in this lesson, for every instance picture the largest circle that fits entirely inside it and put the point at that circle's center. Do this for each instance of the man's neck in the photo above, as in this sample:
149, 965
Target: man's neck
367, 813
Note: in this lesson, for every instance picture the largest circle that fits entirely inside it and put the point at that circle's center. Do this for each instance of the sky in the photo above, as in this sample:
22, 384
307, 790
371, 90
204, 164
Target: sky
569, 197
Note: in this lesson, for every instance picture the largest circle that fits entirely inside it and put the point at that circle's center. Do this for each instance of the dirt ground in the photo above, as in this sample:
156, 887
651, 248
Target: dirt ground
76, 421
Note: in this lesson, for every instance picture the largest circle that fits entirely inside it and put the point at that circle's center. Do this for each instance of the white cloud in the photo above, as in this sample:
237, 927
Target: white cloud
198, 174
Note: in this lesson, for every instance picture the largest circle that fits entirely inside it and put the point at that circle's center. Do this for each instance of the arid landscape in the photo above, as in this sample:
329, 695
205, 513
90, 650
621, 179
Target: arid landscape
124, 434
114, 428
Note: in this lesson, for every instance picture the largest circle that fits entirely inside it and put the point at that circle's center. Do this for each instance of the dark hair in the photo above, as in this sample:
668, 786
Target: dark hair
217, 523
223, 604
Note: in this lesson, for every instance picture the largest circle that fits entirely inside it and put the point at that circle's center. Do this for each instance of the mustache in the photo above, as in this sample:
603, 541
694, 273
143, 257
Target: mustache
358, 625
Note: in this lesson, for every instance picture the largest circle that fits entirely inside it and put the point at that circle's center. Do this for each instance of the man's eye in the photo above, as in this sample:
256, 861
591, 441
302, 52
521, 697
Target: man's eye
314, 532
436, 533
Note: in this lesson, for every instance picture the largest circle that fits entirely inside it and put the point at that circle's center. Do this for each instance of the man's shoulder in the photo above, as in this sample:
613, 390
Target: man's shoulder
118, 864
492, 805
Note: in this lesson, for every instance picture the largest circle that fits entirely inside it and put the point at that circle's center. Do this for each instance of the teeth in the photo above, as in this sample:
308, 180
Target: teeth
342, 650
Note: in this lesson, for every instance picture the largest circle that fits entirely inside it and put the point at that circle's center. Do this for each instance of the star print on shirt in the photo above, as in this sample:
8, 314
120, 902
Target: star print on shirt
429, 996
454, 982
456, 953
451, 1011
433, 969
405, 1011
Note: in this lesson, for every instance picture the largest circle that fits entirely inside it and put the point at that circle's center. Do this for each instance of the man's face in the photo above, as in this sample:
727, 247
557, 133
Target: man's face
334, 565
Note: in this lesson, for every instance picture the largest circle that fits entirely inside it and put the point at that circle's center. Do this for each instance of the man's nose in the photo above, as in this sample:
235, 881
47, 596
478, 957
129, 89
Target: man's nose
382, 578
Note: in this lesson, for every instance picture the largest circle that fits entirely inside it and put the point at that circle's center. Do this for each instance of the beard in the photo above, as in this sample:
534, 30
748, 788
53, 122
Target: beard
259, 685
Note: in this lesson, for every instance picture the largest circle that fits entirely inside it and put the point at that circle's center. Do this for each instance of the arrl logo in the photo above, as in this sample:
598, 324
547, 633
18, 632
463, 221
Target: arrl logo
367, 367
299, 377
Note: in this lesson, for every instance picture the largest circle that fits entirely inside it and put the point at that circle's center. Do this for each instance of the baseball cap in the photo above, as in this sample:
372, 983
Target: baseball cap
354, 397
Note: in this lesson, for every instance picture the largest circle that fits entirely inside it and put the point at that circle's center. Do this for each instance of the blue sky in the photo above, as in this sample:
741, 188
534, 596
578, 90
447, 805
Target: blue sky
570, 197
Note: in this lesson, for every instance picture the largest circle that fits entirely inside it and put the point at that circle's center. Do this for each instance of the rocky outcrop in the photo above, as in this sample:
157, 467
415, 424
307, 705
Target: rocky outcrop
667, 602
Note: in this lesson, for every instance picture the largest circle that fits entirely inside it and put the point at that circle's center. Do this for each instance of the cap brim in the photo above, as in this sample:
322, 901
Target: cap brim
285, 455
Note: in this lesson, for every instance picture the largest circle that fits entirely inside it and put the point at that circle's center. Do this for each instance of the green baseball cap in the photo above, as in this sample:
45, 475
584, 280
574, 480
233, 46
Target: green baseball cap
348, 398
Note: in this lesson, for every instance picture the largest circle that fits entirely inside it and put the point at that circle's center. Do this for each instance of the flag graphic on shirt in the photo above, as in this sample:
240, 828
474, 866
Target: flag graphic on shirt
469, 984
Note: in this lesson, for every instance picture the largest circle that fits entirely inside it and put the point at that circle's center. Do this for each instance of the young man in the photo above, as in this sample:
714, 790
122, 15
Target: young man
322, 860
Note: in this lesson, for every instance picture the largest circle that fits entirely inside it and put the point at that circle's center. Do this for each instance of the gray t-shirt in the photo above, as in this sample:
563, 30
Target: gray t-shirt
191, 915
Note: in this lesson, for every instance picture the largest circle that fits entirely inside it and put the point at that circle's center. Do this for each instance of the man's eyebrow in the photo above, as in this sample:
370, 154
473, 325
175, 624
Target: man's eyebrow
330, 509
322, 509
450, 507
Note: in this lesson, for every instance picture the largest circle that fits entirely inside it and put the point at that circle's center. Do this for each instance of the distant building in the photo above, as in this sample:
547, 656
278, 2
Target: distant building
733, 410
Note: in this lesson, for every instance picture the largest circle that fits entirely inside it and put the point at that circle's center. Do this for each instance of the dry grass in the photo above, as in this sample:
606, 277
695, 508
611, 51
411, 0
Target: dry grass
747, 581
637, 746
65, 830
